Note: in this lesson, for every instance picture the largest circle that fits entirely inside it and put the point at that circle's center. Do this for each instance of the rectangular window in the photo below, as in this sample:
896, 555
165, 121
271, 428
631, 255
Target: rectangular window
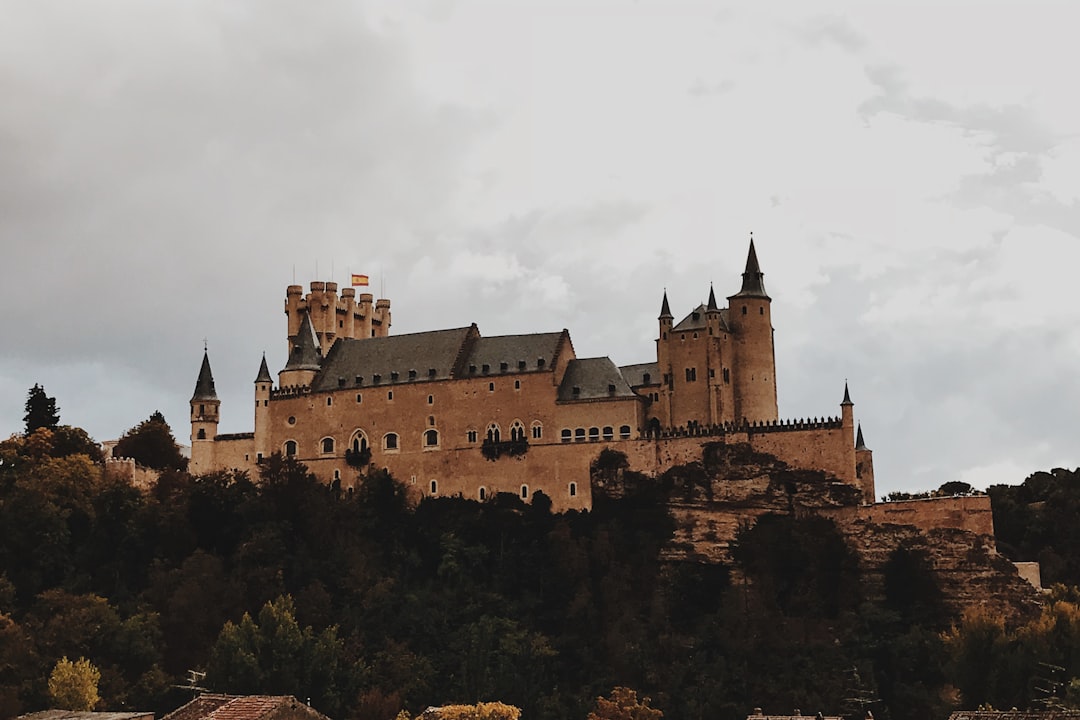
691, 374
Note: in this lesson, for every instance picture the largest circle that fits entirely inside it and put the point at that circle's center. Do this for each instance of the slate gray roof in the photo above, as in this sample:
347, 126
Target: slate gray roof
306, 353
753, 280
696, 320
593, 379
204, 386
635, 374
412, 357
264, 372
512, 353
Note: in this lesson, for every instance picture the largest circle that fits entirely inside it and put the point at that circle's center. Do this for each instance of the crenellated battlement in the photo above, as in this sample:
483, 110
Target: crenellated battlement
745, 426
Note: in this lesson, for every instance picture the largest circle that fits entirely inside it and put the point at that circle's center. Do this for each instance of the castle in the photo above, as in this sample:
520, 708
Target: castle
451, 412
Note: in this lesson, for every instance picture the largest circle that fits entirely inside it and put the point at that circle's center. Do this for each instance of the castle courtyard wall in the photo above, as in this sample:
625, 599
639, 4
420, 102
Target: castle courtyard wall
971, 513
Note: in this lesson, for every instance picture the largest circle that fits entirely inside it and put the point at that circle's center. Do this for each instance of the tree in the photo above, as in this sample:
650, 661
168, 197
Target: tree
479, 711
41, 410
151, 444
74, 685
274, 655
623, 704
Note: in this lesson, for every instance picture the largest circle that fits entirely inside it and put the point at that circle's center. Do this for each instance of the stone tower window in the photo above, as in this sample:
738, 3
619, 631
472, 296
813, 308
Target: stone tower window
691, 374
493, 433
566, 435
327, 445
471, 436
202, 434
431, 438
390, 441
329, 401
727, 375
579, 434
434, 487
537, 430
743, 309
524, 492
517, 431
624, 432
609, 432
290, 448
482, 493
594, 434
573, 489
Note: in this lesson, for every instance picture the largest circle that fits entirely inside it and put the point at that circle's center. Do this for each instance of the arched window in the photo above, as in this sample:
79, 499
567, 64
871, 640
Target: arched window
566, 435
524, 492
624, 431
609, 432
390, 441
483, 494
594, 434
327, 445
202, 434
290, 448
517, 431
573, 489
434, 487
493, 433
431, 438
537, 430
359, 441
579, 434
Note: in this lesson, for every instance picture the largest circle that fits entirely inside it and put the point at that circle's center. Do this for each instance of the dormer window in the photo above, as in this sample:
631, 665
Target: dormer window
504, 366
646, 379
485, 368
521, 364
576, 390
359, 379
431, 372
472, 369
611, 388
341, 382
393, 375
412, 374
376, 378
540, 362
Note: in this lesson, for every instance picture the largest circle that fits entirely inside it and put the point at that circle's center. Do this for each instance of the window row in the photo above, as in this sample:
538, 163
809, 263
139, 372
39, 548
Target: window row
595, 434
482, 493
359, 443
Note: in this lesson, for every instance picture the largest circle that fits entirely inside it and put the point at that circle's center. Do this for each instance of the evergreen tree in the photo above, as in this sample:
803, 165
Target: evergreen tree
151, 444
41, 411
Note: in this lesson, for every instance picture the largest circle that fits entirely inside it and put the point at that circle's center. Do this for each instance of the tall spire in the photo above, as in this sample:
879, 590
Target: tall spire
665, 309
305, 354
753, 280
712, 299
847, 396
204, 386
860, 444
264, 372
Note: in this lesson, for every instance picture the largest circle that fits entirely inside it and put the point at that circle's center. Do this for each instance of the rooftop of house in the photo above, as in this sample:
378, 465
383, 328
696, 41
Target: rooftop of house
211, 706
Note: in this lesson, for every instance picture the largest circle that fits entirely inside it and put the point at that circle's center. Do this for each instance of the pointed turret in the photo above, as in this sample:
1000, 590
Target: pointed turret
665, 309
306, 354
204, 386
712, 299
753, 280
860, 444
847, 395
864, 467
264, 372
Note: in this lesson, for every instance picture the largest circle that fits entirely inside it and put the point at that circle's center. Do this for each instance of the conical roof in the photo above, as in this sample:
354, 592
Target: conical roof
204, 386
753, 280
305, 354
264, 372
847, 396
712, 299
860, 444
665, 309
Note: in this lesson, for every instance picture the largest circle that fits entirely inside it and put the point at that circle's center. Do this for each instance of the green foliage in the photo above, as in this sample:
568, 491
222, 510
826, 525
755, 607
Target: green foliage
74, 685
41, 411
276, 656
151, 444
1036, 521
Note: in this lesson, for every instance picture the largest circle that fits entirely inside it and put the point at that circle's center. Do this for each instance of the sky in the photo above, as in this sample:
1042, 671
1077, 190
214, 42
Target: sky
910, 172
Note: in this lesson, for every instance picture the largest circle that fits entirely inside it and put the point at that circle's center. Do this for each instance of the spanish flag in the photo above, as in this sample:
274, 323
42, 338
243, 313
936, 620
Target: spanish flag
359, 280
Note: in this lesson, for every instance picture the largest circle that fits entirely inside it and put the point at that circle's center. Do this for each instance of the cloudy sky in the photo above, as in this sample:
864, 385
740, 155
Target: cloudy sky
910, 172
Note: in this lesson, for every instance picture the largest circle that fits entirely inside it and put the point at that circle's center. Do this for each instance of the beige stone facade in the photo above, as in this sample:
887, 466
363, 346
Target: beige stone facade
450, 412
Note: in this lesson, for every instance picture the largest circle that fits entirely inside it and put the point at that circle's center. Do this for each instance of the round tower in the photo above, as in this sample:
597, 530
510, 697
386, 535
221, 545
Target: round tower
264, 383
661, 411
754, 361
205, 407
864, 467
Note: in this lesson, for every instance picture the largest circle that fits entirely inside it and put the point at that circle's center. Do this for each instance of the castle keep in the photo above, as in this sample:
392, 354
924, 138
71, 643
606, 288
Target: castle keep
451, 412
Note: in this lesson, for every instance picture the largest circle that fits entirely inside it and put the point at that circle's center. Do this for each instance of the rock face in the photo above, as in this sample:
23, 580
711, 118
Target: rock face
732, 486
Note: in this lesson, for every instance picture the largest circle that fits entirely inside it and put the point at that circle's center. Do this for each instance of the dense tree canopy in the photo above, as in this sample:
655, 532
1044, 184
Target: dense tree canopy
371, 607
151, 444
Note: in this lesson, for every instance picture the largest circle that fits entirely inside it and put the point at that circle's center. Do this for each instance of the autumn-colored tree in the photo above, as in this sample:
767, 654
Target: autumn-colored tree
623, 704
479, 711
74, 685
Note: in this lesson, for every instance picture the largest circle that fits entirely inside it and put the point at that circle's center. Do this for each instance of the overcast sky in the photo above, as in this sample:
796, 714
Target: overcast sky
910, 172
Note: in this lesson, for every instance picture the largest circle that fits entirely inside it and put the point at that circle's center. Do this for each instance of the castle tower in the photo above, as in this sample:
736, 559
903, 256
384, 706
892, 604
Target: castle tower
864, 467
264, 383
847, 424
661, 411
754, 361
714, 322
205, 408
381, 320
305, 358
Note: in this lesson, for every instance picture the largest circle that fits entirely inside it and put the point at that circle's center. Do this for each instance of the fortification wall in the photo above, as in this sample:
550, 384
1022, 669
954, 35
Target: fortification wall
970, 513
235, 452
128, 470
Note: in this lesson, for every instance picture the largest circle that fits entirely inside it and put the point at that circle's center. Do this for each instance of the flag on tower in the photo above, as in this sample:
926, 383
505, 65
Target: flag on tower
359, 280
